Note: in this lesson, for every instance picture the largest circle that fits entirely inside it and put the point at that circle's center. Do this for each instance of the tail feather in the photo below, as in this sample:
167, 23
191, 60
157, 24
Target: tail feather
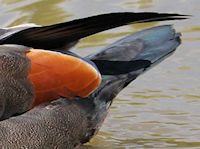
154, 45
158, 43
68, 33
125, 56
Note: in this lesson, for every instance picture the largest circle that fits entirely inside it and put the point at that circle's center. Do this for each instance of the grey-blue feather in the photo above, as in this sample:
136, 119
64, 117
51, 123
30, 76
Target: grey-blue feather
151, 45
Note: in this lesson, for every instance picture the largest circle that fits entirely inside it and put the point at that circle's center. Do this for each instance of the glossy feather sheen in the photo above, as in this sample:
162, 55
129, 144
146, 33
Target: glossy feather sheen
55, 75
66, 34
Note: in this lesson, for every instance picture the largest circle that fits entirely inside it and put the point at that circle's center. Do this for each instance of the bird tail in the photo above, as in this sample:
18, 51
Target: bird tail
123, 61
68, 33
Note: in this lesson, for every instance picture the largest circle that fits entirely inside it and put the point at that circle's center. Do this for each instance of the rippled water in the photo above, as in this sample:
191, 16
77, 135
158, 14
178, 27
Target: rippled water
161, 109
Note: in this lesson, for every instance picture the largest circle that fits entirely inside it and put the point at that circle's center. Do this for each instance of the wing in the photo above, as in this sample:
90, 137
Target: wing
69, 33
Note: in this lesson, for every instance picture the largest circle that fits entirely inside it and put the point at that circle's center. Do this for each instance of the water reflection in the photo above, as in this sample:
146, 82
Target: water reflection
41, 11
158, 142
141, 4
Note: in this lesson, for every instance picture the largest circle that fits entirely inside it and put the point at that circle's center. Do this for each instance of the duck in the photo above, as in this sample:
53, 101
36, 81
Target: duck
36, 62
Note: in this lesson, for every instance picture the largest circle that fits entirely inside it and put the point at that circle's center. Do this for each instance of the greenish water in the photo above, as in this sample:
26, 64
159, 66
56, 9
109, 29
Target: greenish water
161, 109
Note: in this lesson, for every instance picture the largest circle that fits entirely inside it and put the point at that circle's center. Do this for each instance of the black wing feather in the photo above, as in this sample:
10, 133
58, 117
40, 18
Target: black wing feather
68, 33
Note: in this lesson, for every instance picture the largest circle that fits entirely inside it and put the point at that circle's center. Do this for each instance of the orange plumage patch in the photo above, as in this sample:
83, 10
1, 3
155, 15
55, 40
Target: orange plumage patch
55, 74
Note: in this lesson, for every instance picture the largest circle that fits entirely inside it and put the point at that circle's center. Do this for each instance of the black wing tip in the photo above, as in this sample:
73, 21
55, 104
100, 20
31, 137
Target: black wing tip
145, 13
62, 34
171, 16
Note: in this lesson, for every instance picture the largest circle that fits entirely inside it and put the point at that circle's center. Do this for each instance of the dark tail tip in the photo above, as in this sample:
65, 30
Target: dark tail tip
61, 35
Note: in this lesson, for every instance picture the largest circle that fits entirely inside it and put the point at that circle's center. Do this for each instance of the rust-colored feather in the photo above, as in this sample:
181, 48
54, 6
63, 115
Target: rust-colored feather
55, 74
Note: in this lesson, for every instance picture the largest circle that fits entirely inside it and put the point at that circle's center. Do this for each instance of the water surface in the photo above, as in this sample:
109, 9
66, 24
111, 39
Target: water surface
161, 109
